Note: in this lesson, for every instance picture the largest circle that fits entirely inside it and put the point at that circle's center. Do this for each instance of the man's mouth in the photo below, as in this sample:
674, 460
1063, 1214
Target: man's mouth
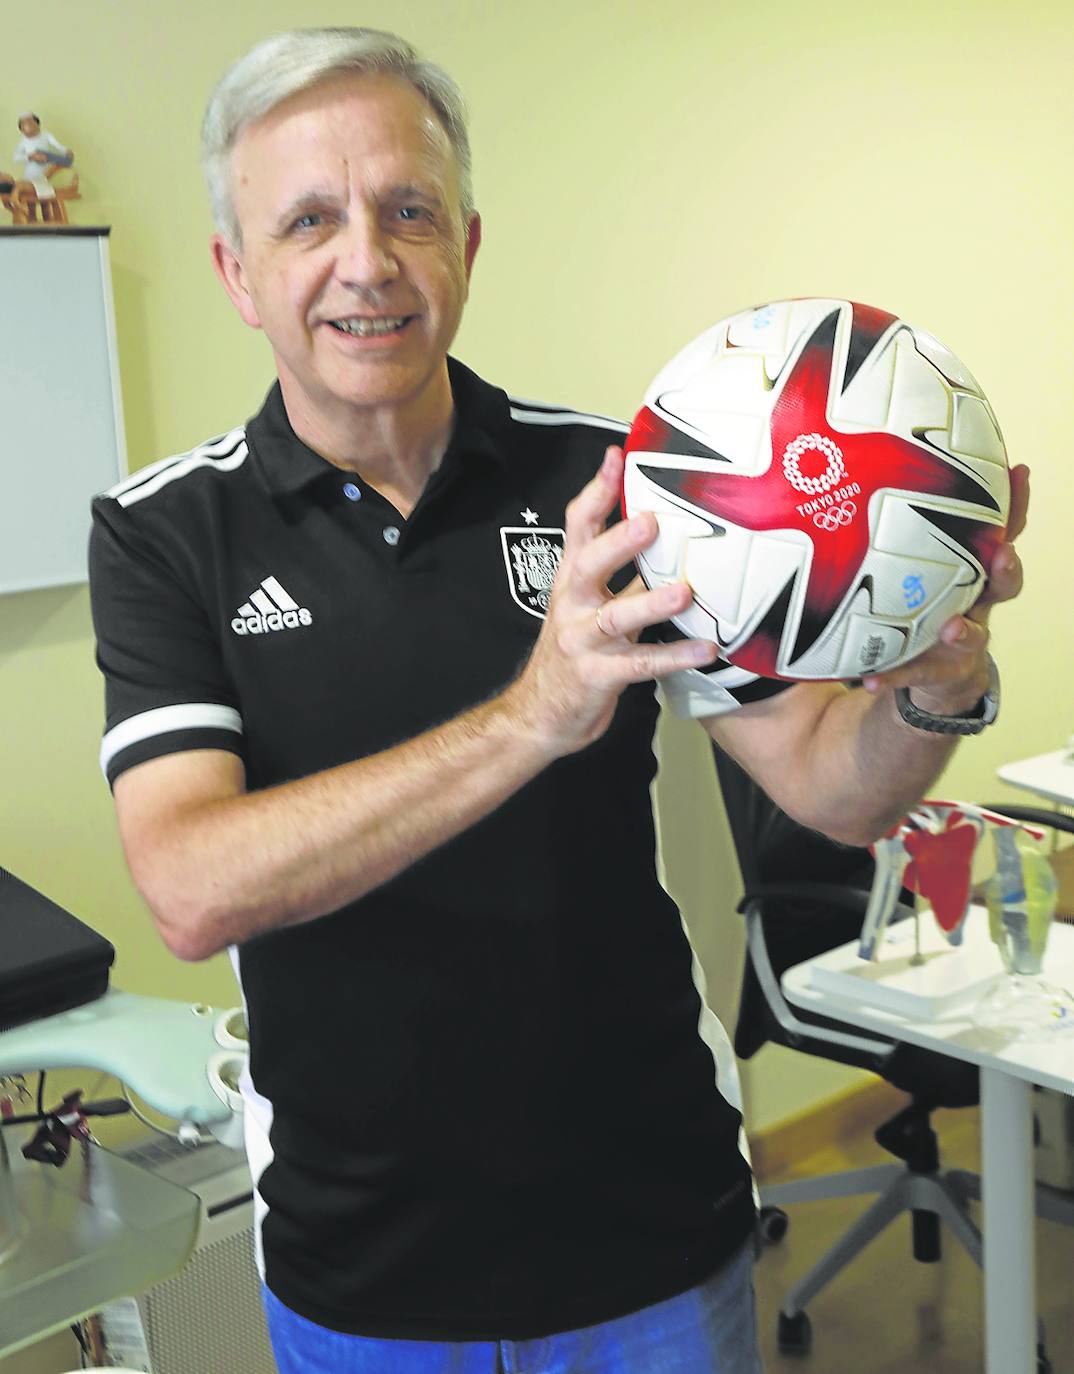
367, 327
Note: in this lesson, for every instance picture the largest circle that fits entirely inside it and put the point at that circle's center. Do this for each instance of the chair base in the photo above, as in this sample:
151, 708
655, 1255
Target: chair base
943, 1194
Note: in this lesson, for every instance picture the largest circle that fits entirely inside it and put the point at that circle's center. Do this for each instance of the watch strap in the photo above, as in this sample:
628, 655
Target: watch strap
971, 722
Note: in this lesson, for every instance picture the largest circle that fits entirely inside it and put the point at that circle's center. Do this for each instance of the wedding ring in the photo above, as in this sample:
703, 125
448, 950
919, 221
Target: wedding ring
600, 623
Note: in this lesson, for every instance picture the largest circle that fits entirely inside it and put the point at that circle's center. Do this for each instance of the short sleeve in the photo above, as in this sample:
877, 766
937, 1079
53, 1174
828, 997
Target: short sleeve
166, 687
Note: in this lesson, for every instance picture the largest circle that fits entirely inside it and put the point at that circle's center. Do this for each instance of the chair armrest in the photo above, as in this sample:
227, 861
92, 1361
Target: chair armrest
800, 1033
1033, 815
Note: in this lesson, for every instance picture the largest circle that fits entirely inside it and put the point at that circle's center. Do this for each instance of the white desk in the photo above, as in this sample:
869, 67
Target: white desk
1007, 1072
1049, 775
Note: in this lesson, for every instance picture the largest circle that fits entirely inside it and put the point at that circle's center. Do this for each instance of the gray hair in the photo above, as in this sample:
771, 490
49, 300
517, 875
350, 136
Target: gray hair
287, 63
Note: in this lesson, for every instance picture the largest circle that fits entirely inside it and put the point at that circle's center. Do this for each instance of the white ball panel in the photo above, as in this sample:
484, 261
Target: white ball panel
697, 355
920, 395
954, 369
744, 439
821, 660
870, 646
696, 623
732, 385
898, 528
718, 566
893, 592
771, 561
676, 525
974, 431
766, 331
808, 312
867, 399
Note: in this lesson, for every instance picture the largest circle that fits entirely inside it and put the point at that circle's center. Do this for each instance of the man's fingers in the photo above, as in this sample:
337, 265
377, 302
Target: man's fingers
1004, 582
962, 642
592, 564
637, 609
632, 662
1016, 519
588, 511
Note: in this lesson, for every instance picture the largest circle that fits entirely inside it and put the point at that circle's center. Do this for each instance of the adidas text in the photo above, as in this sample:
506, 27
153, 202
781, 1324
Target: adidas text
275, 620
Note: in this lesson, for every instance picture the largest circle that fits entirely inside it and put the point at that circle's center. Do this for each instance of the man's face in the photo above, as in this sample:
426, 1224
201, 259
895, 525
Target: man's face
29, 127
354, 259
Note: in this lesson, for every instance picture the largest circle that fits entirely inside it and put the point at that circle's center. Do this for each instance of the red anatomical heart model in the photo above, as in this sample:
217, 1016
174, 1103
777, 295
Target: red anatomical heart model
940, 868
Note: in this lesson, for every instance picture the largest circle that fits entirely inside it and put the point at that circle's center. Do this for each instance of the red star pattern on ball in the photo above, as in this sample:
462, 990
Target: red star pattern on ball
820, 482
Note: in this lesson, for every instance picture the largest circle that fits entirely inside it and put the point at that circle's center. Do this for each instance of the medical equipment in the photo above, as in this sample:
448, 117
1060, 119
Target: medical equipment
74, 1238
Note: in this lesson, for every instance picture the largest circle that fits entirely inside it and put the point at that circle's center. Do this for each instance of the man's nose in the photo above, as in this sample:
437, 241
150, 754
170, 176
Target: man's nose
366, 253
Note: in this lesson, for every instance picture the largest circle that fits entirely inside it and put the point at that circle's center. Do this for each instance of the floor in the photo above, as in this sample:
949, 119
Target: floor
887, 1314
884, 1315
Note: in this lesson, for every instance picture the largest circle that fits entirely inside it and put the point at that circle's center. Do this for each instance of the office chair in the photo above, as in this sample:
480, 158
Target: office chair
805, 894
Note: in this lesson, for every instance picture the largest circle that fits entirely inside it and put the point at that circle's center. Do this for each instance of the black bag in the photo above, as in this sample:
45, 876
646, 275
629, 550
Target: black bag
49, 961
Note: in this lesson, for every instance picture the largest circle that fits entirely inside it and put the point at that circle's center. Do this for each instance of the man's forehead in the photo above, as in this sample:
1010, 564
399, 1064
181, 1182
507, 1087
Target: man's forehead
348, 106
349, 127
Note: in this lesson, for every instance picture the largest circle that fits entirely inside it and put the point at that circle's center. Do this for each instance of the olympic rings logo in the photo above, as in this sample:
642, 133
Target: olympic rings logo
835, 516
817, 443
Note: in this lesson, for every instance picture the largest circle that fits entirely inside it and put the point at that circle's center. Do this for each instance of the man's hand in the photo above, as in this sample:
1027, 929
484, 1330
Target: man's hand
588, 649
952, 676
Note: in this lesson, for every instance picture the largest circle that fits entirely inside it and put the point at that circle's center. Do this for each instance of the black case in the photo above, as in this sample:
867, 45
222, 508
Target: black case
49, 961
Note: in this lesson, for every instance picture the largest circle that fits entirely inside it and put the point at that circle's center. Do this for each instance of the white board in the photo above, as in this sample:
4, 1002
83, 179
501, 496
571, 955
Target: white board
61, 419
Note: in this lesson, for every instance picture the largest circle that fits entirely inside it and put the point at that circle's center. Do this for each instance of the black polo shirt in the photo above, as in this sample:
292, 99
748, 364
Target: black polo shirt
485, 1100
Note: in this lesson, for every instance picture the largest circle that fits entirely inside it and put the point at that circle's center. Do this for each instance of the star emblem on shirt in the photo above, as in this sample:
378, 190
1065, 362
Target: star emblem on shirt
530, 516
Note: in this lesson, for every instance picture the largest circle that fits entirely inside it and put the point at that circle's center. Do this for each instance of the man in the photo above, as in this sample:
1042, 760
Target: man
490, 1122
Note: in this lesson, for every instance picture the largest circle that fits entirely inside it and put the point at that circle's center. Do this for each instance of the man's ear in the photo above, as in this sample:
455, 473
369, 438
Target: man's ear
228, 267
473, 242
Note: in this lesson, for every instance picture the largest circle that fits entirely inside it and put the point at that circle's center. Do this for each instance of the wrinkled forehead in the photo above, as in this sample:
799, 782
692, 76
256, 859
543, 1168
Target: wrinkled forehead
350, 129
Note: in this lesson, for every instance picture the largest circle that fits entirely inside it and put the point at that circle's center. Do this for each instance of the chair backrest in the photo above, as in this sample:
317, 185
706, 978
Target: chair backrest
772, 848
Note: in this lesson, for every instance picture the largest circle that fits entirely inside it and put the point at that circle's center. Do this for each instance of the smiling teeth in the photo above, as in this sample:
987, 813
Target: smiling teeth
364, 328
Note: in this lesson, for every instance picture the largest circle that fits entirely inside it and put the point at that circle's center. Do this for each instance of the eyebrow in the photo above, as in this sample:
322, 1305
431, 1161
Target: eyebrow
409, 191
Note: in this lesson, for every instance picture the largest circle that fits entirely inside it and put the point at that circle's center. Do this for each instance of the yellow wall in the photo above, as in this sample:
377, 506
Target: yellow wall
642, 170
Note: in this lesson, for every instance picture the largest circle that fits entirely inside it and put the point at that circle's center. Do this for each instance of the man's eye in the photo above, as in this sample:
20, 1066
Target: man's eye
310, 221
413, 212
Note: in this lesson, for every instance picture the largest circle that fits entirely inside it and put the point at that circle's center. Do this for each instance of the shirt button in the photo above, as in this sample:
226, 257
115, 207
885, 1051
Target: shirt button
351, 492
391, 534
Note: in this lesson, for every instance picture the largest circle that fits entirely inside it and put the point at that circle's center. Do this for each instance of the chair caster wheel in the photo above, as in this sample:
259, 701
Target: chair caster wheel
794, 1335
773, 1223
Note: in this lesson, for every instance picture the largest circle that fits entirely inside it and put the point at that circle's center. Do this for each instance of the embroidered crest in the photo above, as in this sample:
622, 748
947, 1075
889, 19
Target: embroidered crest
532, 557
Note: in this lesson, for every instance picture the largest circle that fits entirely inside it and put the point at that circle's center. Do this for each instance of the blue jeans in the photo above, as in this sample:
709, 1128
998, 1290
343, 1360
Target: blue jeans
709, 1330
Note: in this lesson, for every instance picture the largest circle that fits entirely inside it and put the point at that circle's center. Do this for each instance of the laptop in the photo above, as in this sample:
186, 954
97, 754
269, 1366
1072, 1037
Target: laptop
49, 960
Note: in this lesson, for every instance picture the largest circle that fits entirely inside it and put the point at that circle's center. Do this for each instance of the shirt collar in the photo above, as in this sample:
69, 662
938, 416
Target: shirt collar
287, 465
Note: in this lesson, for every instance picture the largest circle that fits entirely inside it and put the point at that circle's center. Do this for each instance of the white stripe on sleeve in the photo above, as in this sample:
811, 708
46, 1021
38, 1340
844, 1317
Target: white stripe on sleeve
163, 720
224, 445
566, 417
180, 469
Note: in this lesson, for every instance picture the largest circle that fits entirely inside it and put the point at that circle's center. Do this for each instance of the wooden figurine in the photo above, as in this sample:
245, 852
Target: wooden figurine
42, 156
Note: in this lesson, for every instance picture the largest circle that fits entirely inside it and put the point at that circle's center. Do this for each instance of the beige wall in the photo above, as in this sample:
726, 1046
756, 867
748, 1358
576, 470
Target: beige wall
642, 171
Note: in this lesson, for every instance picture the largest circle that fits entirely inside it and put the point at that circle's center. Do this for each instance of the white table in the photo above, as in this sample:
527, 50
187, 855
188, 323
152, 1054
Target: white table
1049, 775
1007, 1073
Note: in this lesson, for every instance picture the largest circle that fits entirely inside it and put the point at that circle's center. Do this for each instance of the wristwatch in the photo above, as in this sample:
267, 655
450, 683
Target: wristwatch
971, 723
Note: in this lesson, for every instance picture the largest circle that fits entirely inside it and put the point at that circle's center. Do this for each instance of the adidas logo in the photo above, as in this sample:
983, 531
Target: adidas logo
270, 608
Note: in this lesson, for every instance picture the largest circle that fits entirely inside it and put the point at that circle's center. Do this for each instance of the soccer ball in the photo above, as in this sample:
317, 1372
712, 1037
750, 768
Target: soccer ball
830, 481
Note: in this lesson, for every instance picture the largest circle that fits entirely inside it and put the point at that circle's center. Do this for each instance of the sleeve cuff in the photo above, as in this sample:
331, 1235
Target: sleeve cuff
169, 730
